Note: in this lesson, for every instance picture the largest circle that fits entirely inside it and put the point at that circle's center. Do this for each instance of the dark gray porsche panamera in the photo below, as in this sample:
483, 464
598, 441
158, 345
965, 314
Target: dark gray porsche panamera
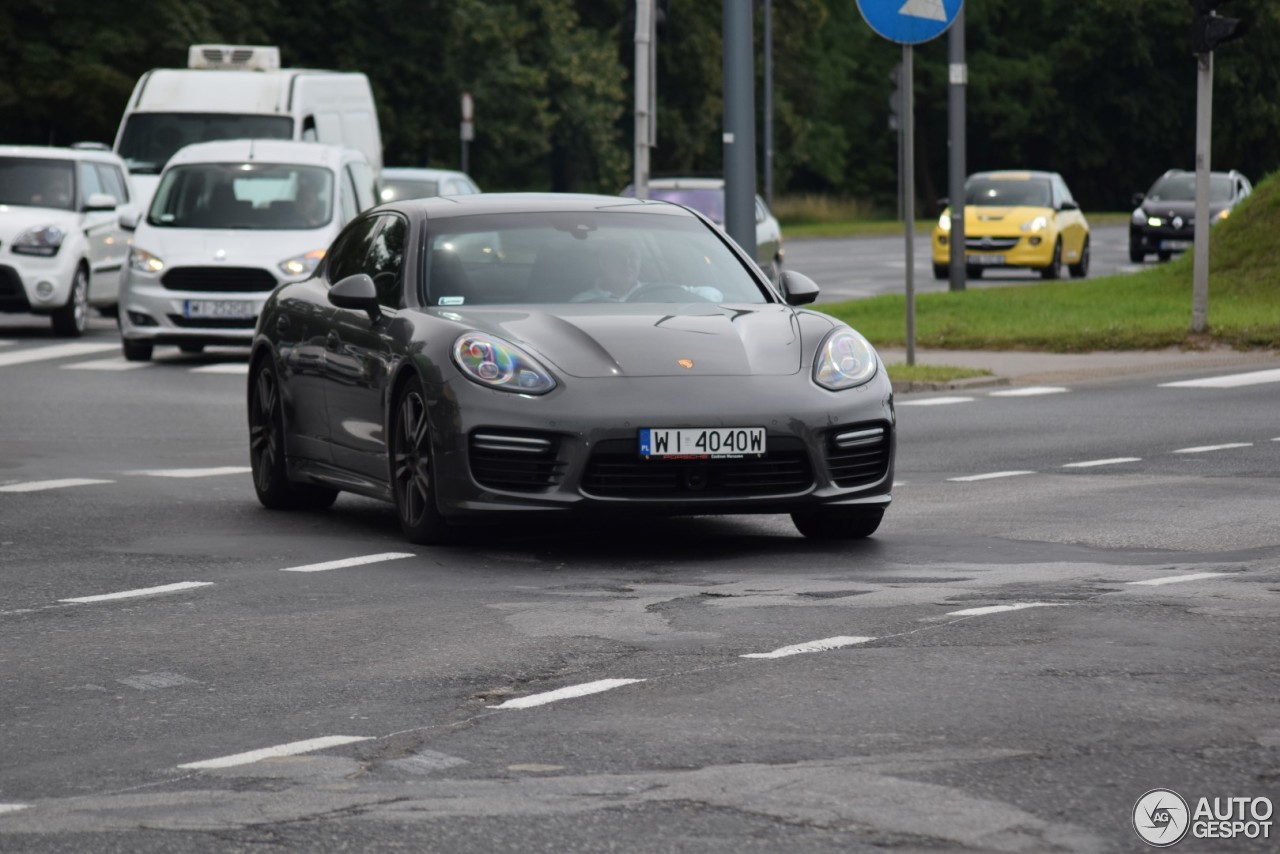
471, 356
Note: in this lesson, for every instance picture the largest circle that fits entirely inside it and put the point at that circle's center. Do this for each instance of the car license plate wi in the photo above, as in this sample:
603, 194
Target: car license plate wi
1175, 244
220, 308
985, 260
702, 443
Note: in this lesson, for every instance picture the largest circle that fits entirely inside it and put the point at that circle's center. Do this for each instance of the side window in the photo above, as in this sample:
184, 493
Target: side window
362, 179
759, 211
112, 182
350, 249
350, 206
385, 263
89, 181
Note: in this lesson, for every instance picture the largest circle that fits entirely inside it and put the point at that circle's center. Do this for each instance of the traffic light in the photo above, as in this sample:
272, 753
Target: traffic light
1208, 30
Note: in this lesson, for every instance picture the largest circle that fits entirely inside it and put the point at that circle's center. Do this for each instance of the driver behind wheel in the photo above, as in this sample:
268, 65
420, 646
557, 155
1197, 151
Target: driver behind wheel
617, 278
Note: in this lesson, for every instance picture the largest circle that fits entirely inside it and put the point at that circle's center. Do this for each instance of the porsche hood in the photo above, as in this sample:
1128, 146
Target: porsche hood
650, 340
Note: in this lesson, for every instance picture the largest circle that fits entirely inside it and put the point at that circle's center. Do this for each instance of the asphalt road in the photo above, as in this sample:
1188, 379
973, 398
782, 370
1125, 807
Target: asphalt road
857, 267
788, 694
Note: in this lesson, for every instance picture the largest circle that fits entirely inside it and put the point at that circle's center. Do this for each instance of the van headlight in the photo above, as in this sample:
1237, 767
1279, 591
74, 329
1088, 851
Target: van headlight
845, 359
43, 240
144, 262
302, 265
492, 362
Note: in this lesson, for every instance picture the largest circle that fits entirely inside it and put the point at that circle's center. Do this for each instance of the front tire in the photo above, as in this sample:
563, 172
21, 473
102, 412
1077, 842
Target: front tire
71, 320
136, 351
1054, 270
838, 523
1081, 268
1136, 255
413, 485
266, 450
941, 271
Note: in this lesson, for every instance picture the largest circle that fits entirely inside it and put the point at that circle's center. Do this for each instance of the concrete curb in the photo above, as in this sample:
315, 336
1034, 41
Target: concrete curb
905, 387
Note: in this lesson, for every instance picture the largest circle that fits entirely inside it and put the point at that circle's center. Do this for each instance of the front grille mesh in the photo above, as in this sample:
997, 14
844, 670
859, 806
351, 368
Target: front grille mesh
993, 244
219, 279
518, 462
211, 322
616, 470
858, 455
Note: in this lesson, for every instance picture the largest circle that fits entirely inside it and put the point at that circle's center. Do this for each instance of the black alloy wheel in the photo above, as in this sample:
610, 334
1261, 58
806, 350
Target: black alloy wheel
1080, 269
412, 478
838, 523
266, 450
71, 320
1054, 270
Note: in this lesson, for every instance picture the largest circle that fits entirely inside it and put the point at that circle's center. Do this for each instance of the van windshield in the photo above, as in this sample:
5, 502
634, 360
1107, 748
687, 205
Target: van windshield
150, 139
256, 196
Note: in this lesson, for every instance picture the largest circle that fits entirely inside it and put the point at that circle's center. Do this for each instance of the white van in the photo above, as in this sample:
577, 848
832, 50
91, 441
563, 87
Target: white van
241, 92
229, 222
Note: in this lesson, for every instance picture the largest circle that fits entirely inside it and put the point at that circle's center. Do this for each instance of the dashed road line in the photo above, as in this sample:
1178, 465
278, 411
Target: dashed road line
292, 749
41, 485
4, 808
1029, 391
1114, 461
106, 365
230, 368
351, 561
58, 351
568, 693
1174, 579
185, 473
838, 642
1204, 449
145, 591
1229, 381
935, 401
998, 609
989, 476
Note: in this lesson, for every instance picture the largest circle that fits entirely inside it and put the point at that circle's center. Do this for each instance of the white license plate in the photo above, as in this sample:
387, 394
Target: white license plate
985, 260
702, 443
221, 308
1175, 244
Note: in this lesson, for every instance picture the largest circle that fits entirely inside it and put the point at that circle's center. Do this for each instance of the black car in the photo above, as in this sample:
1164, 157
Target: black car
529, 354
1165, 219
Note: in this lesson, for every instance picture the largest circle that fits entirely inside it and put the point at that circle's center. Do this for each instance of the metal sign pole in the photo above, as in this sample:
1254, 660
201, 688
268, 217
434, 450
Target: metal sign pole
1204, 136
643, 42
909, 191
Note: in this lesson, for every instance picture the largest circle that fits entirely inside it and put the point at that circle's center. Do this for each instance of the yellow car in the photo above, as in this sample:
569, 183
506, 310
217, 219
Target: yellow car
1016, 219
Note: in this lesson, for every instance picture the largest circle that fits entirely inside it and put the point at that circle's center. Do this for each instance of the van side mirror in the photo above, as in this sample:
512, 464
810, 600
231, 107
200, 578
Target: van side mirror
129, 219
943, 204
357, 292
798, 289
100, 202
1138, 198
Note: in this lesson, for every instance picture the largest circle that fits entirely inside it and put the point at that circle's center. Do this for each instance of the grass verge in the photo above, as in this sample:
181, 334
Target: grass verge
901, 372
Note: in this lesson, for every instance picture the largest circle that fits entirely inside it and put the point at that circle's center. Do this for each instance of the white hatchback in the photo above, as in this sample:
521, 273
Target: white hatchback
61, 243
229, 222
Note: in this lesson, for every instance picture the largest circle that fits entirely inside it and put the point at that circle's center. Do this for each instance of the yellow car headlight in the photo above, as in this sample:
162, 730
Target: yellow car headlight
1040, 223
944, 222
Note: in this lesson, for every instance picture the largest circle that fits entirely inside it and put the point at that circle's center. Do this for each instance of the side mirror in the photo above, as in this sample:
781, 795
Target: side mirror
357, 292
798, 289
129, 220
943, 204
1138, 198
1069, 206
100, 202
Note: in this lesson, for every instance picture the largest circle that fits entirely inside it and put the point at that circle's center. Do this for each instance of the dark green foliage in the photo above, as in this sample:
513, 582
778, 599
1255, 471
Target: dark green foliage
1100, 90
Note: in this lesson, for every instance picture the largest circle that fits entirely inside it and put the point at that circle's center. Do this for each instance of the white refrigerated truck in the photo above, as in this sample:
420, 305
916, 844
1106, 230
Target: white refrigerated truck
241, 92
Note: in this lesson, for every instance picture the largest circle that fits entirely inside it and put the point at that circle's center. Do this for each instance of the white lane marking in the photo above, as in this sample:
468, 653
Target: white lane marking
812, 646
1114, 461
145, 591
292, 749
106, 365
4, 808
1229, 381
1206, 448
1174, 579
58, 351
231, 368
192, 472
153, 681
997, 609
935, 401
1029, 391
989, 476
565, 693
351, 561
41, 485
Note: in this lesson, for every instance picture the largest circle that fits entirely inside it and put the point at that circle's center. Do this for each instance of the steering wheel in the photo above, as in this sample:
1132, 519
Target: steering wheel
664, 292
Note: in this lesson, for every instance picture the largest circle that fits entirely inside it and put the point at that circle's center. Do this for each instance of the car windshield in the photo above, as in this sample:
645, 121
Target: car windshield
1007, 193
707, 201
578, 257
259, 196
37, 183
1182, 188
150, 139
395, 189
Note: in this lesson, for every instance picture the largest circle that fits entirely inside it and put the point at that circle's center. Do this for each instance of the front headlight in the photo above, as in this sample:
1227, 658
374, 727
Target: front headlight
300, 265
1040, 223
144, 262
944, 221
845, 359
43, 240
492, 362
1223, 214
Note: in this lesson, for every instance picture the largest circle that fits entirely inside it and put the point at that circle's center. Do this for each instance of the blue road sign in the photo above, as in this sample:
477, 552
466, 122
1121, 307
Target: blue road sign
910, 21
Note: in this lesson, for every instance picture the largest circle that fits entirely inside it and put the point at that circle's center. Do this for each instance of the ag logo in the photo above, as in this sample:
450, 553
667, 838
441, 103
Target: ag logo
1161, 818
